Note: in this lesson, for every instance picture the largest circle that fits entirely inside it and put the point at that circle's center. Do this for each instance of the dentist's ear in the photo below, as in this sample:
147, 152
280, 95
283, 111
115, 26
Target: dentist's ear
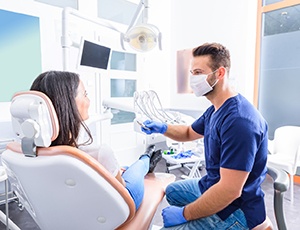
221, 73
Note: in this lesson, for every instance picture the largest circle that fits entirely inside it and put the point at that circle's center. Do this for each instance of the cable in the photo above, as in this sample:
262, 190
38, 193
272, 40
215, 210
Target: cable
161, 111
137, 102
145, 104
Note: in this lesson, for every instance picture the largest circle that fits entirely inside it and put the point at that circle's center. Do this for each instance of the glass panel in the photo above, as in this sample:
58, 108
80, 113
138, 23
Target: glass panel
123, 61
284, 20
19, 40
122, 87
279, 77
268, 2
61, 3
120, 11
120, 117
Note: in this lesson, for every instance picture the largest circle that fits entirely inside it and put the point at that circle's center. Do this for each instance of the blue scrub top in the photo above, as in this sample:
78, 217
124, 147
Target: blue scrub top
236, 137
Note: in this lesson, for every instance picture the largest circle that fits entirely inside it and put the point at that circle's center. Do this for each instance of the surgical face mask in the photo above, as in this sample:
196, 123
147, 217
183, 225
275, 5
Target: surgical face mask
200, 85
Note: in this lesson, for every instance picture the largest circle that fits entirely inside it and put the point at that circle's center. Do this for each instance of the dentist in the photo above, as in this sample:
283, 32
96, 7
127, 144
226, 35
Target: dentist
235, 136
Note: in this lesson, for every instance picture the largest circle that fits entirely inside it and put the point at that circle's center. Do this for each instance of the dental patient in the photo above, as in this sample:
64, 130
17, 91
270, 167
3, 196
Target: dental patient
69, 98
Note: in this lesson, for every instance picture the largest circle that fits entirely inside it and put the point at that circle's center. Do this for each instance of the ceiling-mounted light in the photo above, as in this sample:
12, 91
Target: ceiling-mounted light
142, 37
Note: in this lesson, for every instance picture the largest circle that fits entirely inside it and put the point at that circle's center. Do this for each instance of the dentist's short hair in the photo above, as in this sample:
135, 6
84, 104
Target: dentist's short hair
218, 53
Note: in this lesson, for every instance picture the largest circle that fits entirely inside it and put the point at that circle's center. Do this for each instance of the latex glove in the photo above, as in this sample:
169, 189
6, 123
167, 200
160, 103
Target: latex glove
173, 215
154, 127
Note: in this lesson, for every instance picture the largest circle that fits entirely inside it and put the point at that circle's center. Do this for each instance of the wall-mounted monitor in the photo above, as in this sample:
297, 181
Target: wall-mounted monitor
93, 55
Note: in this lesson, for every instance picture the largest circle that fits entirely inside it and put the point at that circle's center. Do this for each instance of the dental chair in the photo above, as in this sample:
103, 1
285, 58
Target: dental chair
62, 187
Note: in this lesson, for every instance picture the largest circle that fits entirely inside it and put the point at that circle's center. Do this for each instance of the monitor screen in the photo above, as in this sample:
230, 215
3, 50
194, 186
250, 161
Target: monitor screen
94, 55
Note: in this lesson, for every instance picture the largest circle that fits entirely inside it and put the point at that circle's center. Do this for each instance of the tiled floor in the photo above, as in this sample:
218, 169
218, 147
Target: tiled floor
24, 221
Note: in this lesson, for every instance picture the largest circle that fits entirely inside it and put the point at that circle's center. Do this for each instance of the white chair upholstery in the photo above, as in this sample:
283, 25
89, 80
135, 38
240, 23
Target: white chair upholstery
284, 152
64, 188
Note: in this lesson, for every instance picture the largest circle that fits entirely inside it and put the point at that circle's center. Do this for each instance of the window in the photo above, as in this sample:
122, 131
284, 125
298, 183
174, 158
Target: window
283, 20
279, 65
19, 40
61, 3
123, 61
120, 11
268, 2
122, 87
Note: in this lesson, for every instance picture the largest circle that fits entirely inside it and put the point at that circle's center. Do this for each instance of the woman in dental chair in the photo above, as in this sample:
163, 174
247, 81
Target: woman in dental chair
69, 98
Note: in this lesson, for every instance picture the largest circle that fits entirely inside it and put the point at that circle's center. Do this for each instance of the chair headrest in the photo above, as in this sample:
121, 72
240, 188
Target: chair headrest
34, 120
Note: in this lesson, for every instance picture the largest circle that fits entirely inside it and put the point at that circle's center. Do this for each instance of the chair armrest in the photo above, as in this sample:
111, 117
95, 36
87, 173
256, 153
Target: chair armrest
271, 146
155, 184
297, 157
280, 177
281, 185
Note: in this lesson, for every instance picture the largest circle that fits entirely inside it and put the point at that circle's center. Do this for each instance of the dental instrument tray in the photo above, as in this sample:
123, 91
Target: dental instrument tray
181, 157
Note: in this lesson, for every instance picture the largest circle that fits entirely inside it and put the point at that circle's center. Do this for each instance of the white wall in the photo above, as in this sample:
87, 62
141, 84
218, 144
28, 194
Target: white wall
97, 83
187, 24
157, 67
184, 24
230, 22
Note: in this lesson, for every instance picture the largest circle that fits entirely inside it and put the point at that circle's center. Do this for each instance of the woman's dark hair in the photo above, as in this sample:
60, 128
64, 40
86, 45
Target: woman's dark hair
61, 87
218, 53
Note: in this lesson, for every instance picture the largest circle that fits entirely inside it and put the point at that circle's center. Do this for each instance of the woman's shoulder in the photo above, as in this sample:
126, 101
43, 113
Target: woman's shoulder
95, 147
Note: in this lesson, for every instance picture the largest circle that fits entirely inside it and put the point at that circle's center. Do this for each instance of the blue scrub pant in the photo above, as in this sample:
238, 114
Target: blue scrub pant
134, 179
181, 193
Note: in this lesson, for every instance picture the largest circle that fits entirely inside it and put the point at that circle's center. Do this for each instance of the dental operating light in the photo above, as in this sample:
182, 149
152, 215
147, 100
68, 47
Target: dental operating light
141, 37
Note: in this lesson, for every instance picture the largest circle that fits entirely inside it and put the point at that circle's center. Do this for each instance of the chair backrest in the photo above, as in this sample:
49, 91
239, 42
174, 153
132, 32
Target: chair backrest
61, 187
287, 139
287, 142
34, 120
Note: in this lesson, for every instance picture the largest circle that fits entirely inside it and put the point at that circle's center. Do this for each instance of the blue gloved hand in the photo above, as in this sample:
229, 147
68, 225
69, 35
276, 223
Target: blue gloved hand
154, 127
173, 215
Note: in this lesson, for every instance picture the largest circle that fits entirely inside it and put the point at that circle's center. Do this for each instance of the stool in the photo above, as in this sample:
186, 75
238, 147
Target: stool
4, 218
